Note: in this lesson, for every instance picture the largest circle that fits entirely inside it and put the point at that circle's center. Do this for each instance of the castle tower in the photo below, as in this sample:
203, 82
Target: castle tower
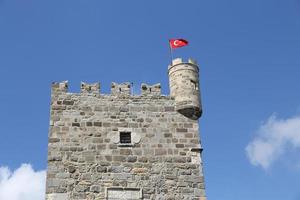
184, 87
121, 146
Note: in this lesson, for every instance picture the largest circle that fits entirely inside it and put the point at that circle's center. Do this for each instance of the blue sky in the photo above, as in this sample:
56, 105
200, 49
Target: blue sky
248, 53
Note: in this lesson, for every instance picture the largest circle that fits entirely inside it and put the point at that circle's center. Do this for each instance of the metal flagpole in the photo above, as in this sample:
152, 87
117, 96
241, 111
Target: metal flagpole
171, 52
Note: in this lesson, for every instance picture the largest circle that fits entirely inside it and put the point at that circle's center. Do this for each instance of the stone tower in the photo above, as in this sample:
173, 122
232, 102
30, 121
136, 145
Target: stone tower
184, 87
127, 147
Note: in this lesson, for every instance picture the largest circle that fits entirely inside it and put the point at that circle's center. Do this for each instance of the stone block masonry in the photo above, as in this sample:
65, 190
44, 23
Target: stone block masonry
120, 146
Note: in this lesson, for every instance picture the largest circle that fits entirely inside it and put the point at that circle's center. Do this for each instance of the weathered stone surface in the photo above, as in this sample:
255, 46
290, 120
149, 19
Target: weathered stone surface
57, 196
87, 159
139, 170
53, 140
72, 169
101, 169
95, 188
131, 158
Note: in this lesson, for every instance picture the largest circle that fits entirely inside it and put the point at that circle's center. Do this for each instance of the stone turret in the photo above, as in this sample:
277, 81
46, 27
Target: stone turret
184, 87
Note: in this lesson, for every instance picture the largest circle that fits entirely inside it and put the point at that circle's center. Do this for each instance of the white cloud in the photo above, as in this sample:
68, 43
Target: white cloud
272, 140
22, 184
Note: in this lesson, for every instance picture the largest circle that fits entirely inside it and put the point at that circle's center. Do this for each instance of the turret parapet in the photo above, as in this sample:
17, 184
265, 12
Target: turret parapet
178, 61
184, 87
120, 89
154, 90
58, 87
93, 88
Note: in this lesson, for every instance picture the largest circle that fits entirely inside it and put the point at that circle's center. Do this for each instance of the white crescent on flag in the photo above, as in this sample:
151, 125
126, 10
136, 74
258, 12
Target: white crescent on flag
176, 43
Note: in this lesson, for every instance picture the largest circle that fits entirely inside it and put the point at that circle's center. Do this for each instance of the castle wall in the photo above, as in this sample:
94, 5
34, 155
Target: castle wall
87, 160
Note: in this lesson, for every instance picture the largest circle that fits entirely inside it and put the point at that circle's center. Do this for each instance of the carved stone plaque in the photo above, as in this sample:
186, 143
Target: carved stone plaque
124, 194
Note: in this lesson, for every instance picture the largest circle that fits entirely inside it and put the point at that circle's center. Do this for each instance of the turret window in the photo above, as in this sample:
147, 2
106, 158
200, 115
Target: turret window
195, 85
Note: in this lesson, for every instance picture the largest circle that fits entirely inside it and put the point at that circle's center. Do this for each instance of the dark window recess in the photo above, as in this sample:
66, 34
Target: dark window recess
195, 85
125, 137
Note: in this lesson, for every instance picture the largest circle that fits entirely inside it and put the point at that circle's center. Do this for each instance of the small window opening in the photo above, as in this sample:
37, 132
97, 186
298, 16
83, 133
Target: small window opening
125, 137
120, 89
149, 89
195, 85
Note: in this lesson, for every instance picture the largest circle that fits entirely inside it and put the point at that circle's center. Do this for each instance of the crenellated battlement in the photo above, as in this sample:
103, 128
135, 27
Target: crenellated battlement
90, 88
178, 61
121, 89
151, 89
117, 89
59, 87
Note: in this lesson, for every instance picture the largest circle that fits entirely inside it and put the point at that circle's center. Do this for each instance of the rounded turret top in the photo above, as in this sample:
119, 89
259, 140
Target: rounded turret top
179, 62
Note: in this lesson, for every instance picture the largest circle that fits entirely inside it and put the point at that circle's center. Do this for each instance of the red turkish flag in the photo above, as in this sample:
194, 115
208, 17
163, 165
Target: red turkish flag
176, 43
